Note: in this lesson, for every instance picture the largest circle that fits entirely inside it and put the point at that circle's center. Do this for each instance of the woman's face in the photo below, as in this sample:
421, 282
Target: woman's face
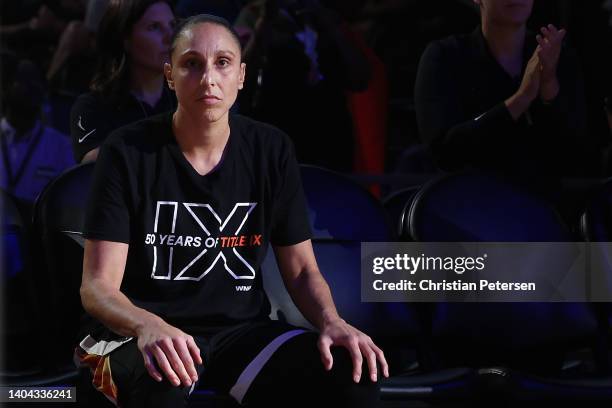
149, 42
506, 12
206, 71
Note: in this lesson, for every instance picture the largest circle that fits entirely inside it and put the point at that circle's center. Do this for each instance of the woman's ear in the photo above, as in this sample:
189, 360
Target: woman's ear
168, 75
241, 75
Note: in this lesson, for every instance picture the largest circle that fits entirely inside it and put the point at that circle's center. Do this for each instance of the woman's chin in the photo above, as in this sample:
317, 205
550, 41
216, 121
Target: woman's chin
213, 114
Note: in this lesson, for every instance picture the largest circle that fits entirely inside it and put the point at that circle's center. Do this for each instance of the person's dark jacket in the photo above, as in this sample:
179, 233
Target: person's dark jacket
460, 94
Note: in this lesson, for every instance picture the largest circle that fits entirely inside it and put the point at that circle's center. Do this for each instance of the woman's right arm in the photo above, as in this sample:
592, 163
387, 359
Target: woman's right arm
163, 346
457, 137
103, 267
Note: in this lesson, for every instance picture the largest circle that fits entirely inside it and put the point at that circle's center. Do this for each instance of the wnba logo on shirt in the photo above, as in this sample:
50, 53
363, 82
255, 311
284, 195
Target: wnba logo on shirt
188, 249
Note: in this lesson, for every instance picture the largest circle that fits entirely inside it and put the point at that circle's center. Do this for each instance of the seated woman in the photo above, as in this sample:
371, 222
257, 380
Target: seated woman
183, 206
503, 99
133, 40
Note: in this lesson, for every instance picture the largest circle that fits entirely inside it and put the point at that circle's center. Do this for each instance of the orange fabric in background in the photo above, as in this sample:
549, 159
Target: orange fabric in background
369, 110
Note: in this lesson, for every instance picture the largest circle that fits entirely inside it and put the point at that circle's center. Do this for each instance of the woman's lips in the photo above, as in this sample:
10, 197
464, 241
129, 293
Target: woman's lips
209, 99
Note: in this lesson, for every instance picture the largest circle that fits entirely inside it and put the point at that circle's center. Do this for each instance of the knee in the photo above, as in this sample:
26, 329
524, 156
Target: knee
136, 387
146, 392
341, 387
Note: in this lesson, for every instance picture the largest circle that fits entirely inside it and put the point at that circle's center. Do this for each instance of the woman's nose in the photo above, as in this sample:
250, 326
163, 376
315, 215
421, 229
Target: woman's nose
208, 76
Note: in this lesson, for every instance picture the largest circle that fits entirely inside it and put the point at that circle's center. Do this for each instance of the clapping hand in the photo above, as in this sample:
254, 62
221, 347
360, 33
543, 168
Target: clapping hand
550, 42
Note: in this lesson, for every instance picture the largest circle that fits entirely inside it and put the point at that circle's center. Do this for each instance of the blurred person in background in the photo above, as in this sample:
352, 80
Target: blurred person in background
31, 29
302, 63
31, 153
503, 99
70, 67
133, 42
228, 9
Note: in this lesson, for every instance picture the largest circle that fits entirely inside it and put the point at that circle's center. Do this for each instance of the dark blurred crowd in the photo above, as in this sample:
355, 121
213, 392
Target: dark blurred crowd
349, 81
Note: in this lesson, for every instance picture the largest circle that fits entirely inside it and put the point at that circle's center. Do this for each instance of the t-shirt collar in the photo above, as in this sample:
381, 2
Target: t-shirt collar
225, 159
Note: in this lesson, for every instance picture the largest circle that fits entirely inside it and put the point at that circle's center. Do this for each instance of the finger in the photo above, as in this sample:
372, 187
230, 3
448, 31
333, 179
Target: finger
355, 353
324, 345
545, 31
175, 361
543, 43
370, 356
552, 29
184, 354
380, 356
194, 350
164, 365
150, 366
562, 33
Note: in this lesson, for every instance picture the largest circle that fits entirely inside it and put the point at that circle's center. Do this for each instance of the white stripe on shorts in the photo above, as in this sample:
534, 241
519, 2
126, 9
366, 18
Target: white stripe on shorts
250, 372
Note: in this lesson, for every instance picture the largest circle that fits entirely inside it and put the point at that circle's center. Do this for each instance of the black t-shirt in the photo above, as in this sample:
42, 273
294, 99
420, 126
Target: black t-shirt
197, 242
93, 117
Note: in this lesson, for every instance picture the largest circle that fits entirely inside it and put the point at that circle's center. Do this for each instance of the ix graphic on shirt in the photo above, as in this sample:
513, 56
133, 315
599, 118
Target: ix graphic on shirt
191, 252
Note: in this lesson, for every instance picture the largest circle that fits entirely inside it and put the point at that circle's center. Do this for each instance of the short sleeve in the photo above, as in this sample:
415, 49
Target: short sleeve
290, 220
108, 214
89, 125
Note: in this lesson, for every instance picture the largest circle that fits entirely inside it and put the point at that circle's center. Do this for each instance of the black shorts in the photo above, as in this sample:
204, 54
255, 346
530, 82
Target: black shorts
265, 363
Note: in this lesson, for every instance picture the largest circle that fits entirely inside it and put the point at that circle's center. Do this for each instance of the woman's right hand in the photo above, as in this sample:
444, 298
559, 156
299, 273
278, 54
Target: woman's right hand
530, 85
168, 349
518, 103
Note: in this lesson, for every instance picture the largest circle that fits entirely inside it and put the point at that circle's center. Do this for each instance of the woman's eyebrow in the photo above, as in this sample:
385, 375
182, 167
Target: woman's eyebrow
229, 52
194, 52
190, 52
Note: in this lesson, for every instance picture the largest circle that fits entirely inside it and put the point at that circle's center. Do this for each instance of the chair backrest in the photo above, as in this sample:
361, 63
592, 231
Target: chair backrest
596, 227
336, 203
482, 208
396, 204
472, 207
61, 205
342, 215
59, 215
20, 328
596, 220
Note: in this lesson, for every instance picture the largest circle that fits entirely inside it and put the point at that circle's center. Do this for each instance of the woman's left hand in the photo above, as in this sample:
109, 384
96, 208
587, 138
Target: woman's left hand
550, 42
359, 345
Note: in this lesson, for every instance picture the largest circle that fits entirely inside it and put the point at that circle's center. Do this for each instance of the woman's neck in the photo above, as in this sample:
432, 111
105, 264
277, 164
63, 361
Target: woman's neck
506, 43
201, 141
146, 86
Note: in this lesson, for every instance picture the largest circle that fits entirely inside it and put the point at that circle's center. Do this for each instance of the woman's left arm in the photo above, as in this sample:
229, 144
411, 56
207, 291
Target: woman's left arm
312, 296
